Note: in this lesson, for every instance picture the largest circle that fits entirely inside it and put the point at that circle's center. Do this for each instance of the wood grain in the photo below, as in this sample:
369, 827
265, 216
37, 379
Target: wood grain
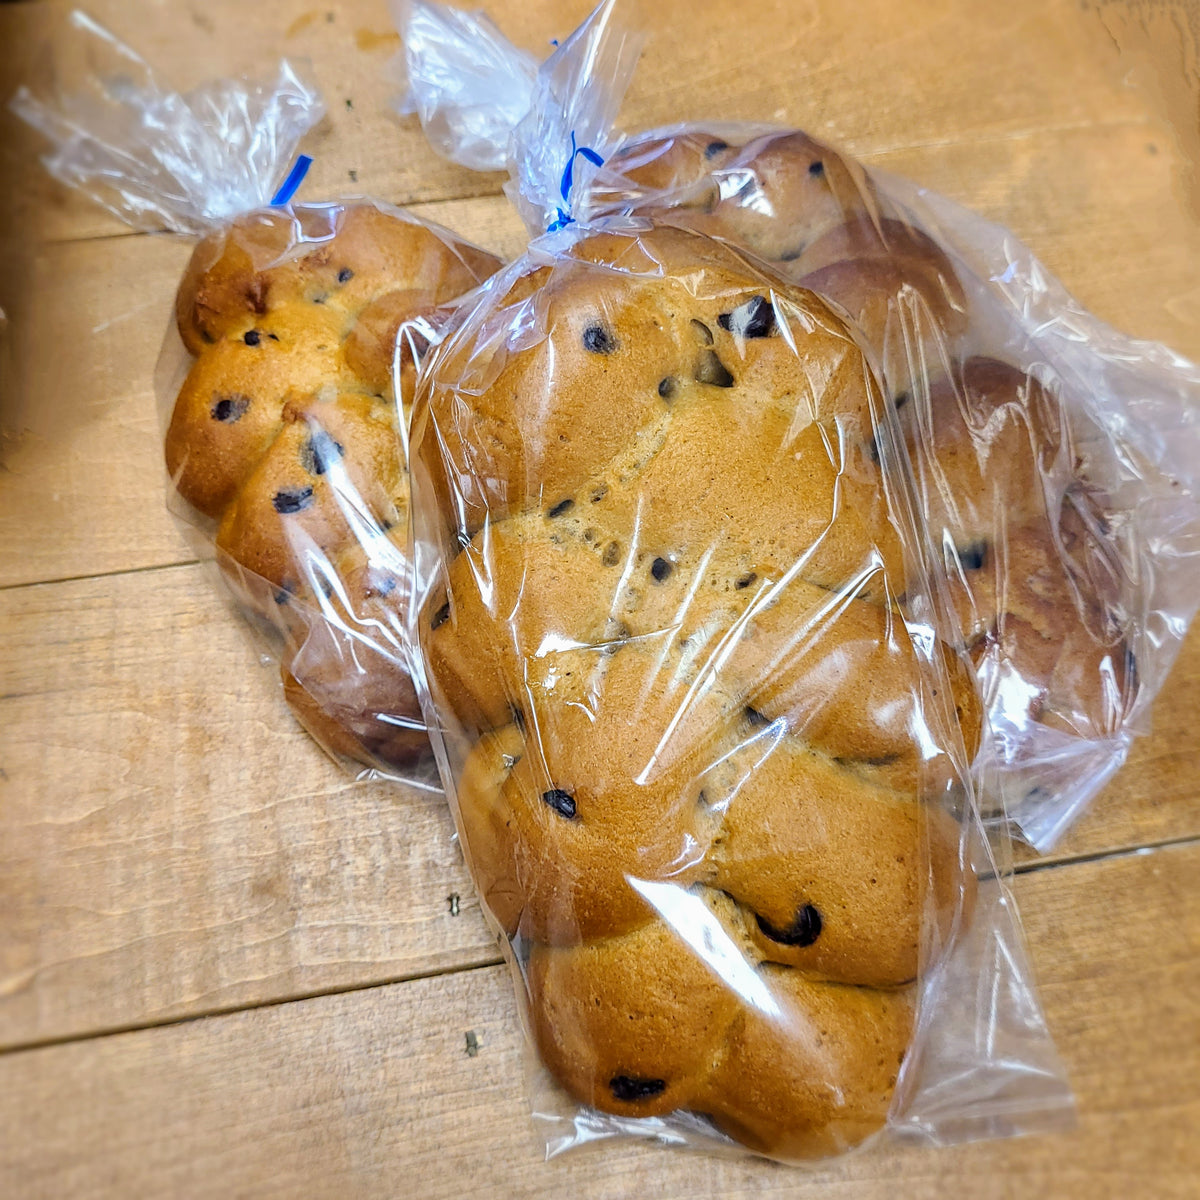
82, 483
171, 842
177, 859
82, 455
374, 1094
924, 80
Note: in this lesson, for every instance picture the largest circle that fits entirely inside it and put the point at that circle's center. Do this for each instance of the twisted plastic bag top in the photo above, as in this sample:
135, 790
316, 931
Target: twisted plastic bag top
466, 81
486, 104
158, 159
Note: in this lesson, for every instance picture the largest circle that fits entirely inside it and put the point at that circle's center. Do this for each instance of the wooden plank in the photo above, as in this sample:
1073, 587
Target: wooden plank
171, 842
82, 485
374, 1094
82, 492
359, 148
925, 79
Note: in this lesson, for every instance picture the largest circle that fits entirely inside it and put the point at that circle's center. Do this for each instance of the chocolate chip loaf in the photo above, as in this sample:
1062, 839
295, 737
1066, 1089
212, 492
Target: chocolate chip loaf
1036, 584
285, 435
705, 778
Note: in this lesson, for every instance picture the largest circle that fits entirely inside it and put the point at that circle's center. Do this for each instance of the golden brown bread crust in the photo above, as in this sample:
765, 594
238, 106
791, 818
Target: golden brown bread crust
775, 195
697, 780
284, 433
340, 255
1034, 580
1036, 585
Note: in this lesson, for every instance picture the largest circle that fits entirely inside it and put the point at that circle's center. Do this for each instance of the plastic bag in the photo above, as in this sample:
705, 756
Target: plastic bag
1055, 459
680, 657
283, 437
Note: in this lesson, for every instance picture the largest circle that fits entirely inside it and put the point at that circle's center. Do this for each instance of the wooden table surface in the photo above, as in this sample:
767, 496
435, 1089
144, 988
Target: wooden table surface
225, 970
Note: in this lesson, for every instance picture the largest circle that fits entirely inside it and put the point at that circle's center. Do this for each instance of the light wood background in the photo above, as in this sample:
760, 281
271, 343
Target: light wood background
227, 971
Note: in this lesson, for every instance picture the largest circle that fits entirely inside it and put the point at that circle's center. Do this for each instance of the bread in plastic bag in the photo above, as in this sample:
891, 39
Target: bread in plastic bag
711, 777
1054, 458
283, 437
1033, 431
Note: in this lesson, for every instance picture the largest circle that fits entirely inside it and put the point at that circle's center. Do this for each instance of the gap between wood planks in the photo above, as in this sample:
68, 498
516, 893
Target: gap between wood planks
487, 962
170, 566
874, 157
227, 1010
417, 207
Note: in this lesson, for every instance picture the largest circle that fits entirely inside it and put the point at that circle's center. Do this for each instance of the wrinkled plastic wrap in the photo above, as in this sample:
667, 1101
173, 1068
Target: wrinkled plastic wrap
1054, 459
284, 440
688, 666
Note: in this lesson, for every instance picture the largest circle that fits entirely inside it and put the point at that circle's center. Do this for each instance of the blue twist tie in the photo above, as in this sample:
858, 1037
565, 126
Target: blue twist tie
564, 217
295, 178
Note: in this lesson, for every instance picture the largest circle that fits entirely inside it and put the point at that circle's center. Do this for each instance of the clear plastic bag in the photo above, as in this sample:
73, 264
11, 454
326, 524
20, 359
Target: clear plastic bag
284, 440
682, 657
1055, 459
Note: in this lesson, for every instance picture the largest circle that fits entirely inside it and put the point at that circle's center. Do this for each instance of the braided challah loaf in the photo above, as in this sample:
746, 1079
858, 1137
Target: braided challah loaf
285, 434
704, 777
1037, 585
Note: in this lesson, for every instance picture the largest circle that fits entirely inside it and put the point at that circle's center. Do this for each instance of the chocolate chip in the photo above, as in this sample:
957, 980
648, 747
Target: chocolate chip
628, 1087
754, 319
755, 717
879, 760
252, 337
441, 616
746, 580
660, 569
816, 168
803, 931
319, 453
972, 557
703, 334
611, 555
710, 369
292, 500
901, 399
1132, 682
598, 340
668, 387
382, 584
345, 275
230, 408
715, 148
561, 507
562, 802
